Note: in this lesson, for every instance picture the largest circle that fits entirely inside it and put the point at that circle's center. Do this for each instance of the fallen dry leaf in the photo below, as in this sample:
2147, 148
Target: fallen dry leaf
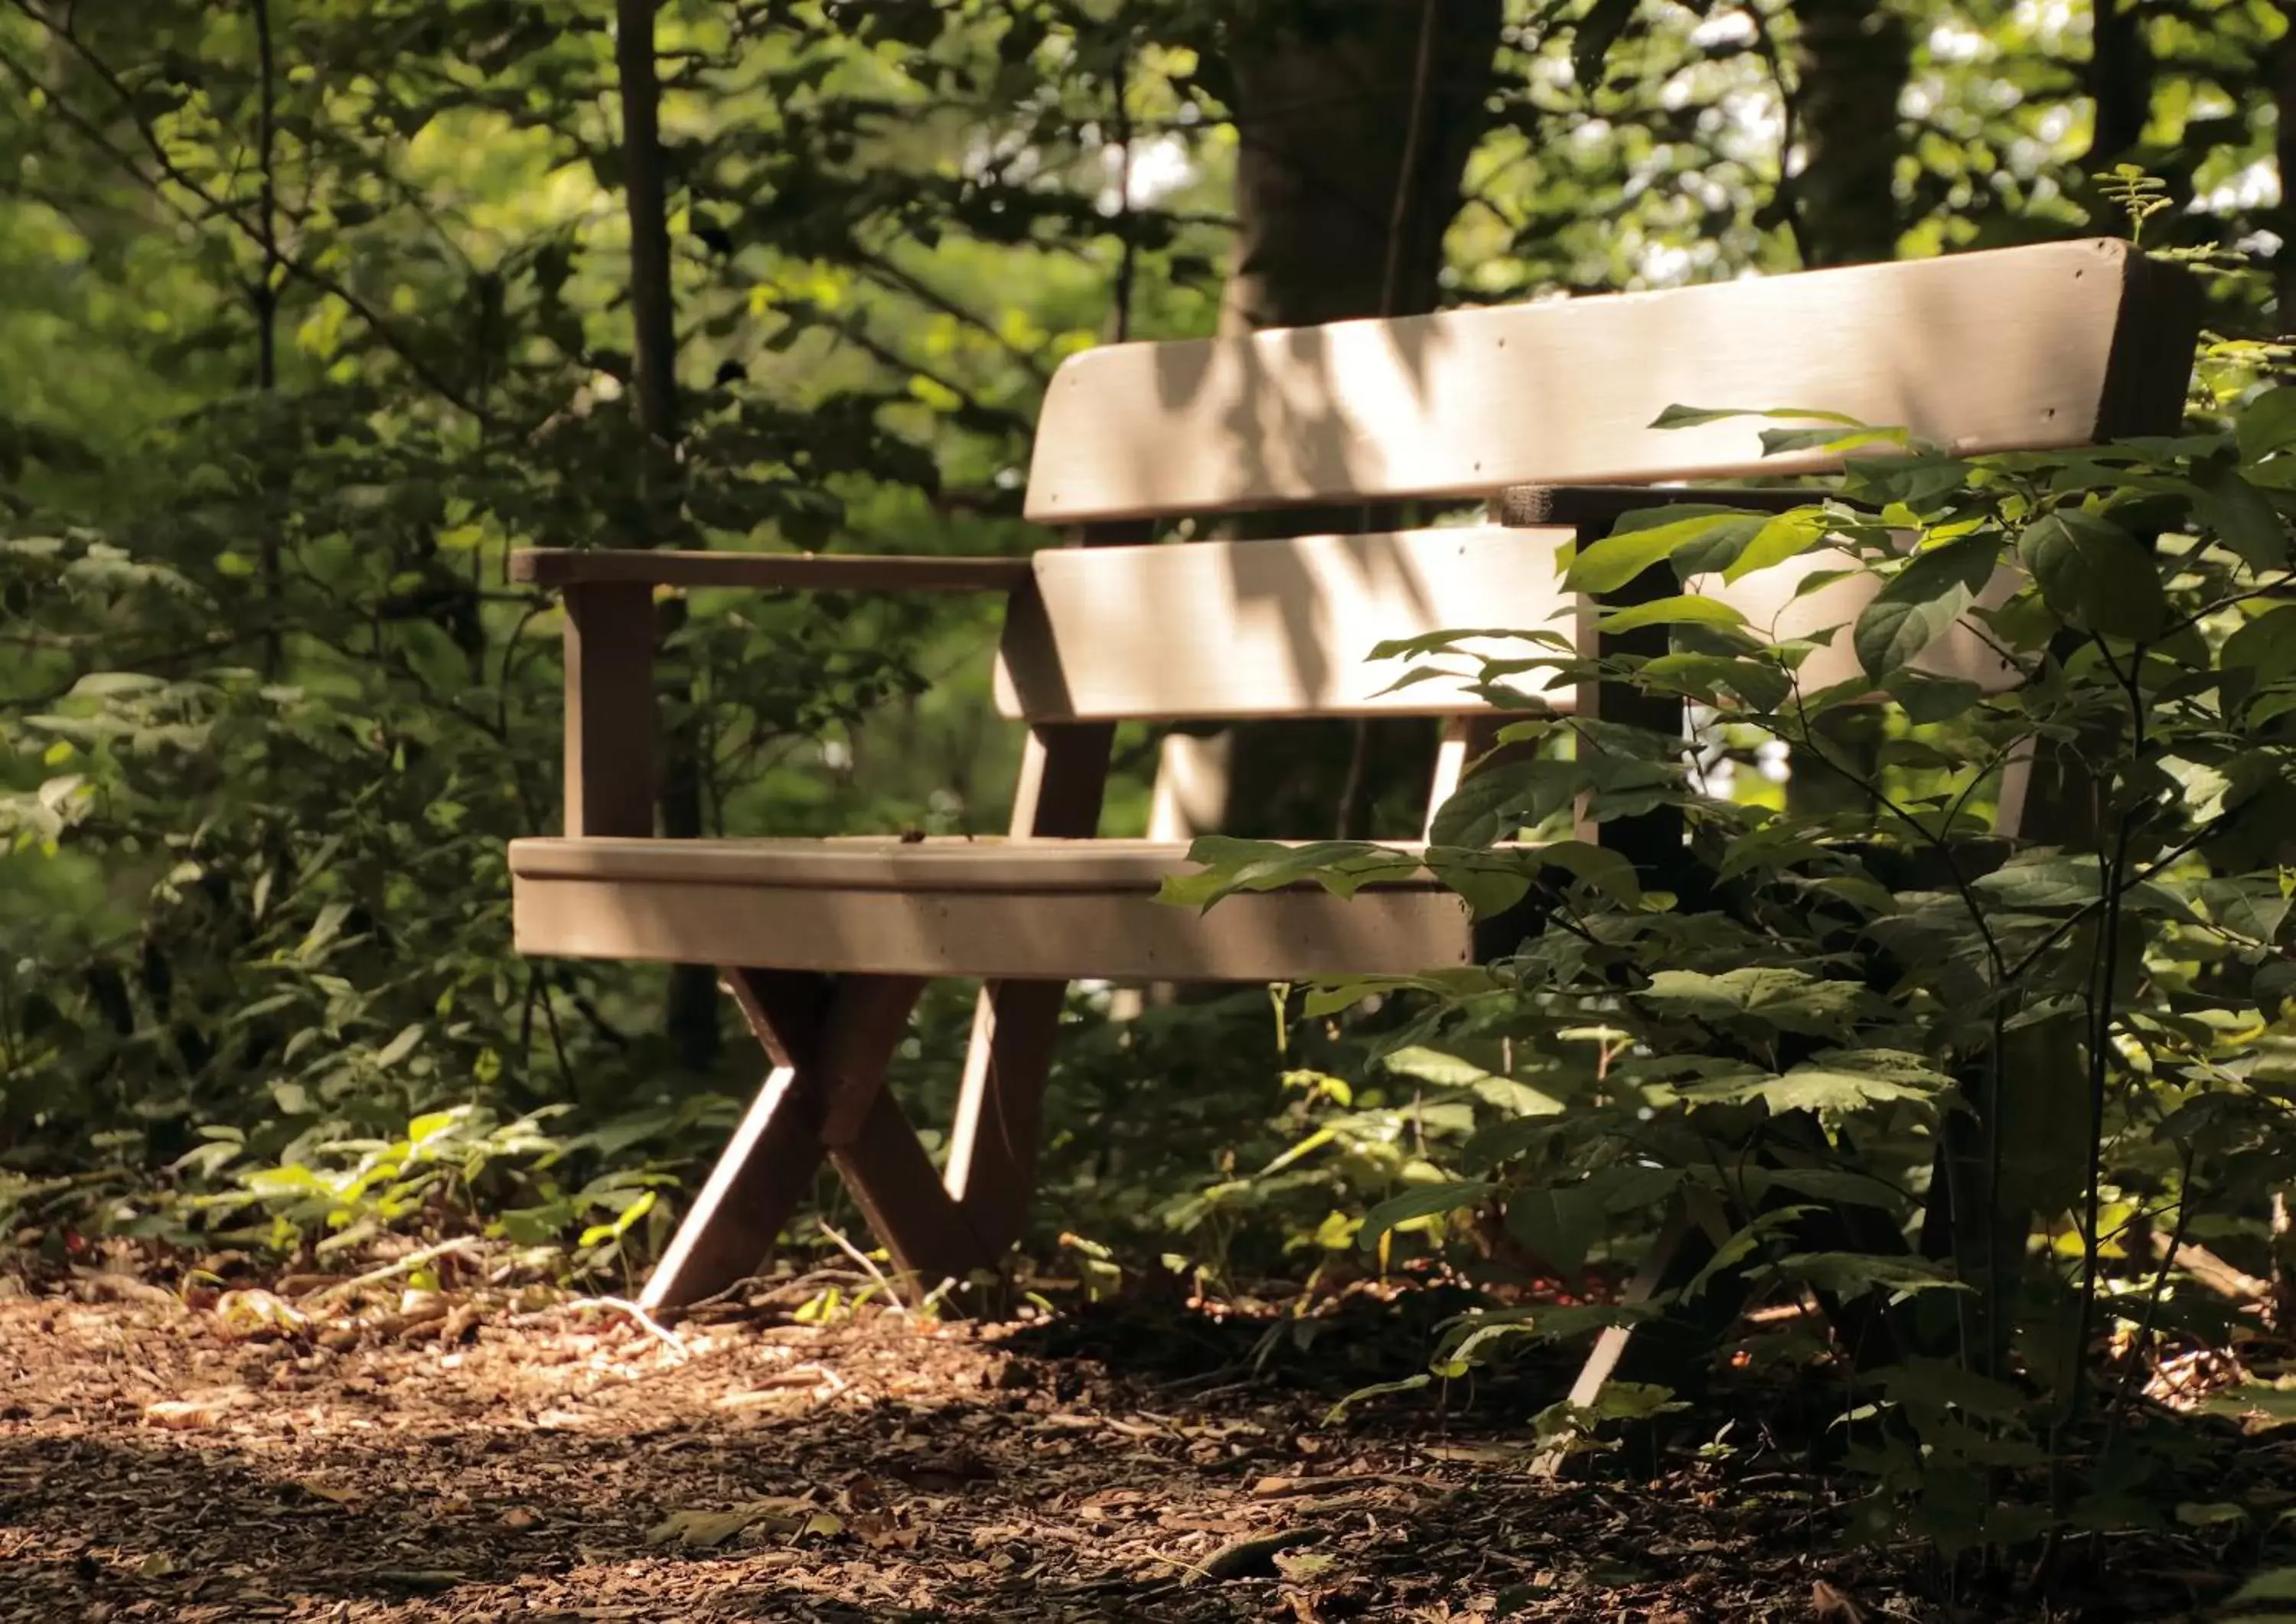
701, 1530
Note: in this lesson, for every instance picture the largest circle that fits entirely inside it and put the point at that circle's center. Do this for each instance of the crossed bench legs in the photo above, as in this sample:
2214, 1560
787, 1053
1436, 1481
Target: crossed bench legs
830, 1038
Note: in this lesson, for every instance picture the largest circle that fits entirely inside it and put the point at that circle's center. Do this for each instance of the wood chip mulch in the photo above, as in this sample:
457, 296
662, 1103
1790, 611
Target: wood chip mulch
467, 1458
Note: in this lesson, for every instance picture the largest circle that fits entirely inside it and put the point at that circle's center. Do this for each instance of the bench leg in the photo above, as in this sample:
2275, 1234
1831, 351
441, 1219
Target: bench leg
992, 1157
830, 1038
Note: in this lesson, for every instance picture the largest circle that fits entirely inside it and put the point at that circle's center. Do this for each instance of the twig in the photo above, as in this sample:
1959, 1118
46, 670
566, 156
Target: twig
645, 1322
375, 1276
862, 1258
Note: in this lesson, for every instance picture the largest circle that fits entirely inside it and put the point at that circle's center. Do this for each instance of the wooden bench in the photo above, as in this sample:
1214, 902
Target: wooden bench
826, 943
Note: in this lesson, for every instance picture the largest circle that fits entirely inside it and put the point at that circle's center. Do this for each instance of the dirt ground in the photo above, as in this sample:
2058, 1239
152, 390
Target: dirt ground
306, 1453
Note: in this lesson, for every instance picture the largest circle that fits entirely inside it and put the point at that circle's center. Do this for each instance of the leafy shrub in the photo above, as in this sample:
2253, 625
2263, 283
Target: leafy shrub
1967, 1088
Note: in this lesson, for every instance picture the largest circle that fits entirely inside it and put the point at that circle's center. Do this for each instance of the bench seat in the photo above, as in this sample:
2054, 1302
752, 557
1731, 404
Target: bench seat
1023, 909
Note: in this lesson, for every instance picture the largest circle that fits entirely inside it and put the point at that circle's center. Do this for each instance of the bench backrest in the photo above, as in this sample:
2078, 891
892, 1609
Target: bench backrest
2026, 348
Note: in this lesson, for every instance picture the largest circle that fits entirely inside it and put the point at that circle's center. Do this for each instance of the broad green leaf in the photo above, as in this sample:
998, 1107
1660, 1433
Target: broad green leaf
2243, 518
1916, 604
1927, 698
1342, 867
1425, 1201
1761, 684
1624, 554
1840, 1185
1540, 1322
2265, 646
1791, 1000
1559, 1223
1684, 609
1783, 442
2094, 575
2273, 1584
1934, 1384
1787, 536
1489, 882
2265, 425
1607, 871
1849, 1274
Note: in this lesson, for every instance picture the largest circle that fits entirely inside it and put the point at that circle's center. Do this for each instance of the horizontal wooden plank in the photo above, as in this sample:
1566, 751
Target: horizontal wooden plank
1267, 628
770, 572
1066, 915
2011, 347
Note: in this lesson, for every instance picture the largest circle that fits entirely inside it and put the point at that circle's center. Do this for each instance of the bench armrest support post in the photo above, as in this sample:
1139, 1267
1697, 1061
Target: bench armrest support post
610, 755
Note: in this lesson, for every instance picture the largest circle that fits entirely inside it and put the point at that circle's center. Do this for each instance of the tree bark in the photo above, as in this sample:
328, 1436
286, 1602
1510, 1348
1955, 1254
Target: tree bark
2283, 94
690, 1014
2120, 71
1852, 66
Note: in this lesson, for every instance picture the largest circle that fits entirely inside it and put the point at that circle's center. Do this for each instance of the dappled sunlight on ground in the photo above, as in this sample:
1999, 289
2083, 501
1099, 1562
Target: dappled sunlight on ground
482, 1453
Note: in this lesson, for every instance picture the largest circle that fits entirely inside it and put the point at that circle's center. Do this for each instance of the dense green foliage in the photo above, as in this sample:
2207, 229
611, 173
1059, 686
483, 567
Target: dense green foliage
314, 310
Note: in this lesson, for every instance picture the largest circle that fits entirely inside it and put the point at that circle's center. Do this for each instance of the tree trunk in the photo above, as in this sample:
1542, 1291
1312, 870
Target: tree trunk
1851, 64
1851, 69
2121, 69
1354, 119
691, 1011
2283, 94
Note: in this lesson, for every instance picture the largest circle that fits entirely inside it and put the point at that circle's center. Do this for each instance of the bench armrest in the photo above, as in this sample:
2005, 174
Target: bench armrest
611, 727
767, 571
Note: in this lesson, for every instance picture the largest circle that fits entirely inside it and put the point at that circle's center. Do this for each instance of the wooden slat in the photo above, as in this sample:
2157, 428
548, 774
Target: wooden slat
1041, 935
610, 710
1267, 628
771, 571
2014, 348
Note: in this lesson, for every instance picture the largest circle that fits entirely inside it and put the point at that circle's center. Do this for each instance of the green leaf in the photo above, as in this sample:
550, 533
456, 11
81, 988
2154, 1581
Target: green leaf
1915, 605
2243, 518
1691, 417
1609, 872
2265, 425
2265, 646
2273, 1584
1342, 867
1849, 1274
1761, 684
2094, 575
1927, 698
1559, 1224
1787, 536
1489, 882
1783, 442
1377, 1389
1790, 1000
399, 1047
1681, 610
1934, 1384
1619, 557
1839, 1185
1424, 1201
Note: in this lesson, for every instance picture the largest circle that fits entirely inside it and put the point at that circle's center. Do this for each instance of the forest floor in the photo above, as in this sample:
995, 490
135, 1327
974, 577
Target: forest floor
182, 1454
